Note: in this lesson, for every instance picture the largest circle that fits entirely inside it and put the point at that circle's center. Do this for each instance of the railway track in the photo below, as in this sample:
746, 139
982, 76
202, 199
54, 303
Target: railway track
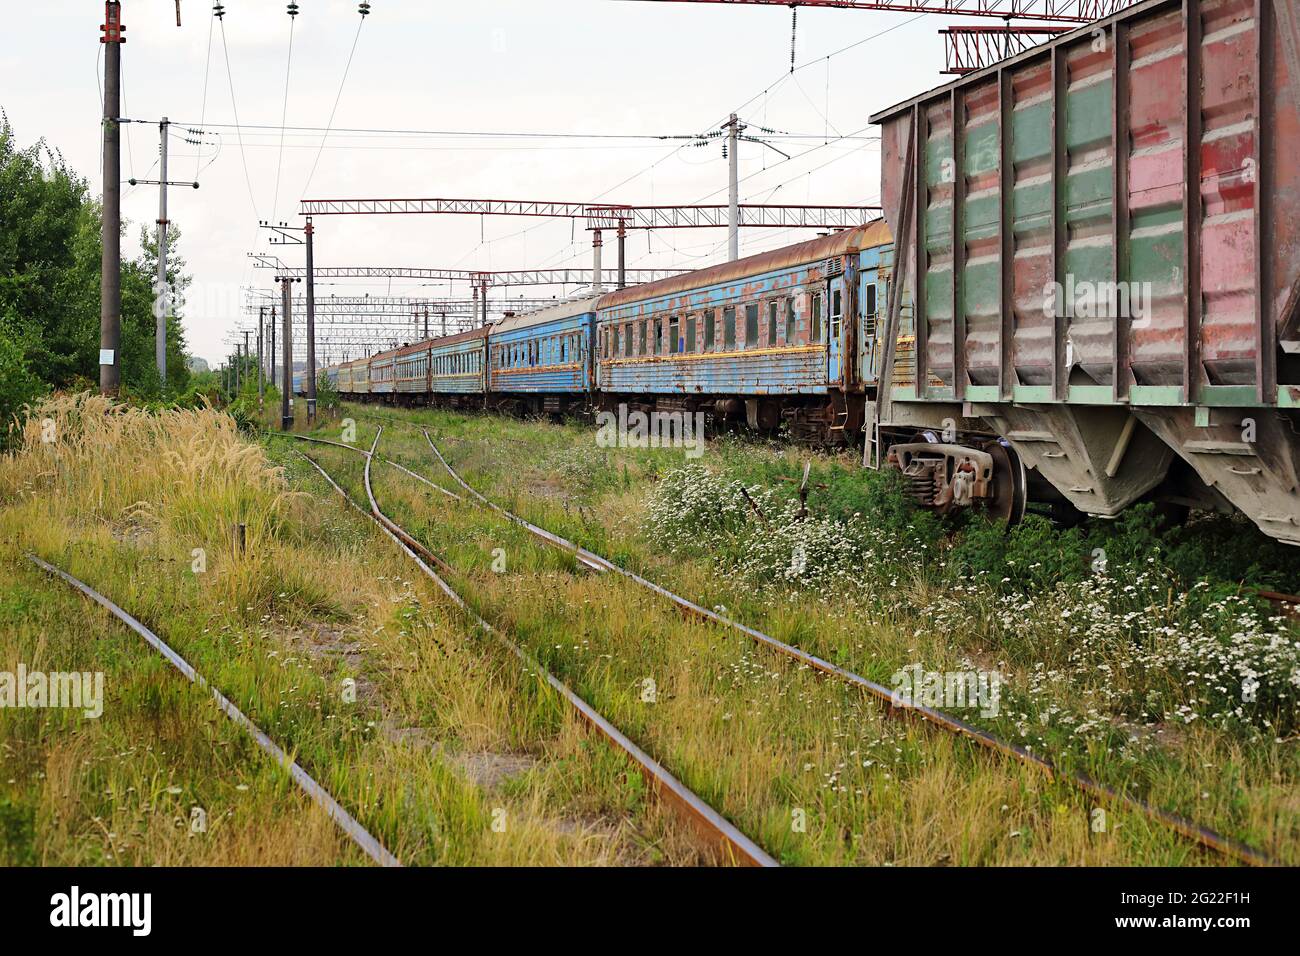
715, 828
318, 794
1203, 836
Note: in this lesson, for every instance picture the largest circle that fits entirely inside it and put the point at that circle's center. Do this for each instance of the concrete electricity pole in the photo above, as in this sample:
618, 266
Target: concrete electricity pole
261, 324
286, 294
244, 364
162, 290
110, 278
311, 328
734, 129
622, 254
272, 330
597, 284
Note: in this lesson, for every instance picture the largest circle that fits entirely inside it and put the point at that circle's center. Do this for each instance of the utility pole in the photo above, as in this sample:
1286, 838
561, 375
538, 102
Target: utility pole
482, 300
162, 291
622, 255
272, 329
238, 362
734, 129
311, 328
597, 284
261, 389
286, 293
244, 363
426, 321
110, 278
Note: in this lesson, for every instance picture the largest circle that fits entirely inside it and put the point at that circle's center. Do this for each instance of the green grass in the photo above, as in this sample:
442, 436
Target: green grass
1122, 726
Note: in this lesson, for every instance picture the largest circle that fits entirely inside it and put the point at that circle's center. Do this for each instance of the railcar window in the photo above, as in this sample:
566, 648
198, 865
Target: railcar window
627, 341
614, 334
690, 334
837, 313
729, 328
816, 335
751, 325
659, 336
708, 330
789, 322
640, 347
674, 328
771, 323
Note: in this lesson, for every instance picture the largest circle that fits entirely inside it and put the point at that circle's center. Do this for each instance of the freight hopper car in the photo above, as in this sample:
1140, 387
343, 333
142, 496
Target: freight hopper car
777, 338
543, 361
1100, 241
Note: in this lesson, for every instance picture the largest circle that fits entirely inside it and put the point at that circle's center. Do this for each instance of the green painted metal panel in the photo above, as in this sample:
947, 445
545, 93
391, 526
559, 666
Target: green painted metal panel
1031, 132
1088, 115
981, 146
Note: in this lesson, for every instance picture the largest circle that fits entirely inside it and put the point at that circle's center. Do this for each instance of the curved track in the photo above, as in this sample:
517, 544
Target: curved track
319, 795
1204, 836
716, 828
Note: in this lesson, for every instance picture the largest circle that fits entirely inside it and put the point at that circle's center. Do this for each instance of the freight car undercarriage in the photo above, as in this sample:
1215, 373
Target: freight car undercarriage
1097, 460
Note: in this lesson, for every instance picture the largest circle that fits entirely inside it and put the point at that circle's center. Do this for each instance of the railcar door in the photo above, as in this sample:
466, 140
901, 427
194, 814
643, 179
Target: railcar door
835, 330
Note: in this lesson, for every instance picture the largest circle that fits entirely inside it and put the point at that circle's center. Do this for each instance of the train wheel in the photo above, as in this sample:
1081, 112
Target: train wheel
1009, 482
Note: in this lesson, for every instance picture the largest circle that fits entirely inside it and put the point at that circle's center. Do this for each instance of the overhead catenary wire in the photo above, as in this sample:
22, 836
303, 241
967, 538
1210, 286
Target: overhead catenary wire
284, 111
337, 97
219, 14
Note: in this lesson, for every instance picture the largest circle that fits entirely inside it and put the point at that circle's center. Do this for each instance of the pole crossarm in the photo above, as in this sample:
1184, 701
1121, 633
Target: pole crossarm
604, 216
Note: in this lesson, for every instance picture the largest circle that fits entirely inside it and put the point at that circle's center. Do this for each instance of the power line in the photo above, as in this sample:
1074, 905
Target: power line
337, 97
220, 14
284, 112
203, 109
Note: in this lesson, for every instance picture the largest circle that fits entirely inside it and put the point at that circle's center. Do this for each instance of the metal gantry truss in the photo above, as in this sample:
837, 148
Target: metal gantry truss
968, 49
476, 277
599, 216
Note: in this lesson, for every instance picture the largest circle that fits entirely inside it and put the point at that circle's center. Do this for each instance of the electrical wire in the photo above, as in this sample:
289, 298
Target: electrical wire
284, 113
203, 109
337, 97
248, 180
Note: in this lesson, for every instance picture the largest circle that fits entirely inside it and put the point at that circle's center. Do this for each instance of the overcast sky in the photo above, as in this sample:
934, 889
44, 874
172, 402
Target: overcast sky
561, 66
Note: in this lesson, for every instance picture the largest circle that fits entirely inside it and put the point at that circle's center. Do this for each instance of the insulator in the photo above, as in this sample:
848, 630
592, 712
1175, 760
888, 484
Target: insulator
293, 9
218, 11
364, 9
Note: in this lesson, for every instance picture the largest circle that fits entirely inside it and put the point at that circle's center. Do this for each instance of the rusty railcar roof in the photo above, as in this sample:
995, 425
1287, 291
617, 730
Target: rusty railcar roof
1043, 49
846, 240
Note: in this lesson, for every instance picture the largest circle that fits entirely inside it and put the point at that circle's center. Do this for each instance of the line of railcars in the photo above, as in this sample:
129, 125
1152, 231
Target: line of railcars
1036, 200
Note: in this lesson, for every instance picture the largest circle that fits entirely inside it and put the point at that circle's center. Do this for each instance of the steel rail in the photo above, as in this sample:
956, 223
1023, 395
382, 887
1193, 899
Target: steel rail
361, 451
1204, 836
716, 827
318, 794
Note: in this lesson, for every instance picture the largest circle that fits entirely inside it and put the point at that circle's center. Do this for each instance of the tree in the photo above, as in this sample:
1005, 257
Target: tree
50, 258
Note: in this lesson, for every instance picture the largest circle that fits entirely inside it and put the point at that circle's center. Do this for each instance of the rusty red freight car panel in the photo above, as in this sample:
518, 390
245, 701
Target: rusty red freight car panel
1126, 206
1100, 242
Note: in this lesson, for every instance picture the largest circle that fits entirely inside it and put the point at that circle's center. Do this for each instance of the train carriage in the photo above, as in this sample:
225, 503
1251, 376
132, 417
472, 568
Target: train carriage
458, 367
768, 337
542, 361
1102, 247
412, 371
382, 371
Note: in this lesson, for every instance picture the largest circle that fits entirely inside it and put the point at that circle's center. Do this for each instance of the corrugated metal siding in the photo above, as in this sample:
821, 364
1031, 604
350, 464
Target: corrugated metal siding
1162, 154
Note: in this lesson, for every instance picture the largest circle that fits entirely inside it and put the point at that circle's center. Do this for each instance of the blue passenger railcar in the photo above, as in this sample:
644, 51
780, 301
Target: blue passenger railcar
381, 374
458, 367
412, 371
769, 337
542, 361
